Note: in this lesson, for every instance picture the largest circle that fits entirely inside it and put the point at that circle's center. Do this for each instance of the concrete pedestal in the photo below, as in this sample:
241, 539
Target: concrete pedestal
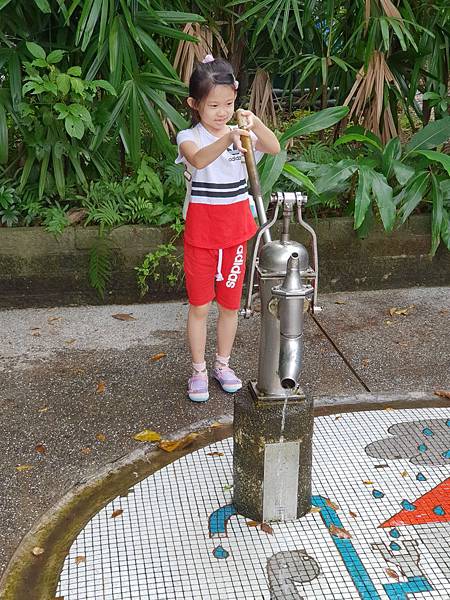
272, 456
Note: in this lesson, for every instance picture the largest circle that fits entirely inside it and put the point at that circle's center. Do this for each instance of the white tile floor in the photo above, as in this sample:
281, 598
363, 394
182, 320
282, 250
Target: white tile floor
160, 548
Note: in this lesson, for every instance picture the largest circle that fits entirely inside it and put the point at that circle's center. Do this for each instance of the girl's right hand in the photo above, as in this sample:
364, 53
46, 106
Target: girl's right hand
235, 138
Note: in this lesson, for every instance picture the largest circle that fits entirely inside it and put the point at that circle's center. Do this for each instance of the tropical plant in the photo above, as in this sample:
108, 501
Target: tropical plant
273, 166
9, 212
371, 54
141, 199
389, 180
56, 121
124, 42
163, 263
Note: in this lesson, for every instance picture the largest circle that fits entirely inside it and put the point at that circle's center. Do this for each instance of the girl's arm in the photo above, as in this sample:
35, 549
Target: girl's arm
267, 141
200, 159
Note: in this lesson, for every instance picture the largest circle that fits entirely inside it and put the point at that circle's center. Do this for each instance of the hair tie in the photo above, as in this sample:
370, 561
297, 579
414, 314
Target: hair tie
208, 58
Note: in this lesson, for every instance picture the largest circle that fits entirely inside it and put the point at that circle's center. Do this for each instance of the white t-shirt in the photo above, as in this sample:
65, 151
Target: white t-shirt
224, 181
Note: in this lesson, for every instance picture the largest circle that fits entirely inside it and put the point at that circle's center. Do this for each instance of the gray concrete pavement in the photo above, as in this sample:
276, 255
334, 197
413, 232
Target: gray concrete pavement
70, 374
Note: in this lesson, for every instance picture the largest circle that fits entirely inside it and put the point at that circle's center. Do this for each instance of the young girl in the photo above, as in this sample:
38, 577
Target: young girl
219, 220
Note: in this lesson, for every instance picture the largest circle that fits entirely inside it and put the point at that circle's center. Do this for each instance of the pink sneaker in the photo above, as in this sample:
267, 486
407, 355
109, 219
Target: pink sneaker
198, 387
227, 379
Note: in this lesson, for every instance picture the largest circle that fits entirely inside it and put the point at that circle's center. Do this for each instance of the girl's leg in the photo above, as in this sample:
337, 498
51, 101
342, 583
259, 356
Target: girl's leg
226, 330
196, 331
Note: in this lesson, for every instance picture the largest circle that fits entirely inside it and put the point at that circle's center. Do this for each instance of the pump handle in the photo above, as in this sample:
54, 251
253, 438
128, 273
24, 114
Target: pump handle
250, 160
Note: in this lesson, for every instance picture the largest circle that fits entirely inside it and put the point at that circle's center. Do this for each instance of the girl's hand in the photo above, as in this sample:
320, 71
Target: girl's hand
235, 138
250, 118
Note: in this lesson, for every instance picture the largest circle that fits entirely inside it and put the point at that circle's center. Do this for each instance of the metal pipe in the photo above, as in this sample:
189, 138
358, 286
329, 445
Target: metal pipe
315, 252
291, 298
253, 177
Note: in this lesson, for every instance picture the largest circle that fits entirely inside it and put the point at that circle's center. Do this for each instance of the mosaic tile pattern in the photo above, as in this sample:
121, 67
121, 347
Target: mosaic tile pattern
379, 529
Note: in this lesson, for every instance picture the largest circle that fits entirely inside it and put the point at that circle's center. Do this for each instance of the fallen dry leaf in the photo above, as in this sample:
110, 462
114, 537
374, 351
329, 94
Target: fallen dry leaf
227, 487
53, 319
86, 450
404, 474
315, 509
172, 445
158, 356
21, 468
117, 513
442, 393
331, 504
266, 528
392, 574
215, 454
215, 425
388, 322
353, 514
147, 436
69, 342
36, 332
124, 317
41, 448
253, 523
444, 311
338, 417
43, 409
365, 362
339, 532
368, 482
100, 437
80, 559
37, 551
340, 301
401, 312
389, 408
101, 386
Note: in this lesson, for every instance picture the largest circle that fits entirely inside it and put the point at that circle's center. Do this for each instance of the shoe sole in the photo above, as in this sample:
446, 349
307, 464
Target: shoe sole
231, 389
199, 397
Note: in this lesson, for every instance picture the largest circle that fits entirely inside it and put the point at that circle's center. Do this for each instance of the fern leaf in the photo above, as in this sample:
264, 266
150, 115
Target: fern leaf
100, 268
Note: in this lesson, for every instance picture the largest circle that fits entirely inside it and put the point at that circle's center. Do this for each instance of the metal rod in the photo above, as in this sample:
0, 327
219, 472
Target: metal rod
315, 251
253, 177
246, 312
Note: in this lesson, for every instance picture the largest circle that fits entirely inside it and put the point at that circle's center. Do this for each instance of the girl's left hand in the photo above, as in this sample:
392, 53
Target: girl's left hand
250, 119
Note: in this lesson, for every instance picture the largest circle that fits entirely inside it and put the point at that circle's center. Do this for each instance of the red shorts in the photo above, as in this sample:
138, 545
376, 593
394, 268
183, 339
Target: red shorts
215, 274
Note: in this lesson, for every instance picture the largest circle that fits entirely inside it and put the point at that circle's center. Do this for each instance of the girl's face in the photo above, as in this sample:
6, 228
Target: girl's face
217, 108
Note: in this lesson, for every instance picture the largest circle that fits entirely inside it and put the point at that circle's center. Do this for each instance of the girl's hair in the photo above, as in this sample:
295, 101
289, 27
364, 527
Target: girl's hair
207, 75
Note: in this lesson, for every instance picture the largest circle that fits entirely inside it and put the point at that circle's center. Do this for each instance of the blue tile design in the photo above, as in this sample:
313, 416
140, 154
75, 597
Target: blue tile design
395, 533
220, 553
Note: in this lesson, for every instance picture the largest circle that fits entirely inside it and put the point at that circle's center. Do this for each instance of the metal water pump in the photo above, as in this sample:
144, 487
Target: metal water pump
273, 419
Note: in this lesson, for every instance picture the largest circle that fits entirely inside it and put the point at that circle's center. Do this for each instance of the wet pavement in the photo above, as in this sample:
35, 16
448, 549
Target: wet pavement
77, 384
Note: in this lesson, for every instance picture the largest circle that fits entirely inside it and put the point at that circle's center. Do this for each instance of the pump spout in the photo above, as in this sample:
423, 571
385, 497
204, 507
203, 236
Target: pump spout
291, 299
291, 352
